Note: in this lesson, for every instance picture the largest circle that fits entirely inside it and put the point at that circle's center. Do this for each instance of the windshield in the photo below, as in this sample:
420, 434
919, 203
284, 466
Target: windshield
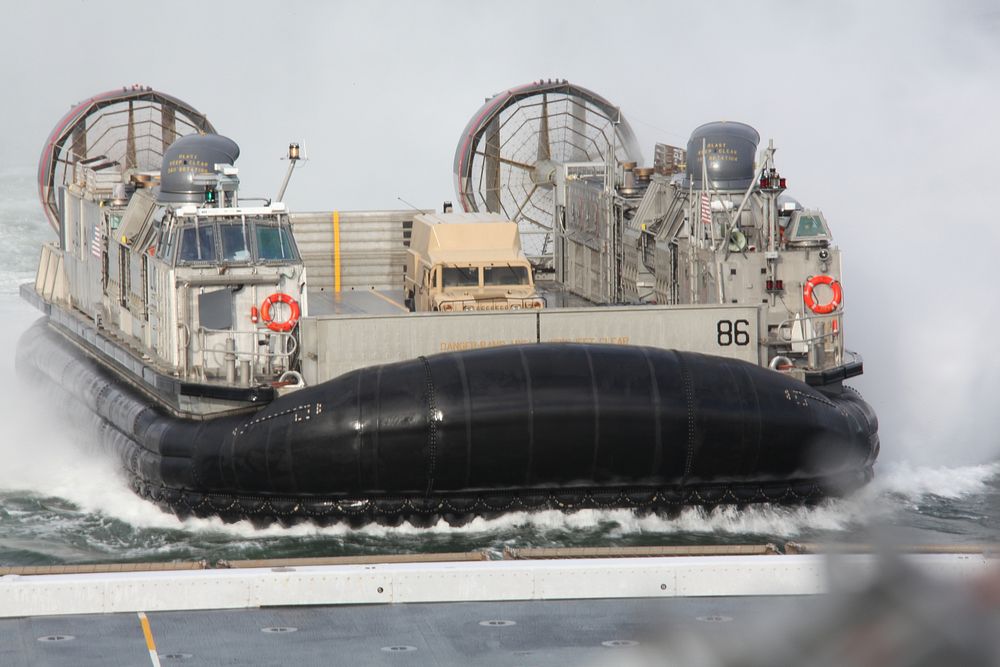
274, 244
198, 244
809, 226
235, 245
505, 275
460, 276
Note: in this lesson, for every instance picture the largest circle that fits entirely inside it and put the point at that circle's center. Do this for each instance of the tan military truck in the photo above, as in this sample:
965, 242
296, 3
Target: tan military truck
467, 261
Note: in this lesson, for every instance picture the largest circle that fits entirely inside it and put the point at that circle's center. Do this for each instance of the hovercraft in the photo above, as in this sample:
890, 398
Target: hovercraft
251, 363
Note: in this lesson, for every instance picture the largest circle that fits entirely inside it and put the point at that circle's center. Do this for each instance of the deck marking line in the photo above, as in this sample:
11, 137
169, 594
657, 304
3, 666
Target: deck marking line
148, 634
385, 298
336, 251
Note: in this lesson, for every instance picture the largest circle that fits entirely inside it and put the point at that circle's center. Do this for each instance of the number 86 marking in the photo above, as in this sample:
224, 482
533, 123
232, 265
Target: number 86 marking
729, 332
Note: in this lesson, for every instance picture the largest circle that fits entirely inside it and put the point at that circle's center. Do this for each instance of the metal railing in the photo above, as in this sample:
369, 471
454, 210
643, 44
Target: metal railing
817, 338
273, 354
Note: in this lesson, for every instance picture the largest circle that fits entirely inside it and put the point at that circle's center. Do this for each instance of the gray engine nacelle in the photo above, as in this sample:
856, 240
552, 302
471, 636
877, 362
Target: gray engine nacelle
187, 158
728, 150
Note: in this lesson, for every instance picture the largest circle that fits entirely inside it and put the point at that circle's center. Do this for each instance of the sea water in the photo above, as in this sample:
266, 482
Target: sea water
62, 502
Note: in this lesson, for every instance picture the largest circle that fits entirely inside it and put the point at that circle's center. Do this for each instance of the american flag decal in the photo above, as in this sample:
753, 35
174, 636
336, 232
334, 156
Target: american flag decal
97, 243
706, 210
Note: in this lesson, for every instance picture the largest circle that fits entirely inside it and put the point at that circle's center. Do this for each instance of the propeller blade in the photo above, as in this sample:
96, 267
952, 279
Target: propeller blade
578, 127
169, 121
544, 149
80, 141
130, 141
517, 216
524, 166
491, 166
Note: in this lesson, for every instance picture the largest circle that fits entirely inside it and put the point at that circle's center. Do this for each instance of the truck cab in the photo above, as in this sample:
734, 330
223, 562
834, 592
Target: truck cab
467, 261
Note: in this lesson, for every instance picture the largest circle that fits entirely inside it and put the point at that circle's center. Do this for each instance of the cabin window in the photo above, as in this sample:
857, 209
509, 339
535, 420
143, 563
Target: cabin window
460, 276
235, 243
165, 249
124, 275
197, 244
274, 244
809, 226
505, 275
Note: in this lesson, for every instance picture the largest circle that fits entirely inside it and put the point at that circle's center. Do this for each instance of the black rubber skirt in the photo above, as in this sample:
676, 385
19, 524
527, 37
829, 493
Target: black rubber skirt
480, 432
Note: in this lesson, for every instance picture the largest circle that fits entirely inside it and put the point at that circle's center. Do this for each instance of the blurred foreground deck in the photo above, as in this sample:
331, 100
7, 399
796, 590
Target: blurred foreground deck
535, 606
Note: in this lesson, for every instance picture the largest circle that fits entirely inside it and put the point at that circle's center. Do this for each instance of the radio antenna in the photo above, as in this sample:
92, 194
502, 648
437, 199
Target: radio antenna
410, 205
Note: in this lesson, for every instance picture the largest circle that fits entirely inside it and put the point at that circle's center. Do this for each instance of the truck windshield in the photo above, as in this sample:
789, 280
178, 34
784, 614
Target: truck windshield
460, 276
505, 275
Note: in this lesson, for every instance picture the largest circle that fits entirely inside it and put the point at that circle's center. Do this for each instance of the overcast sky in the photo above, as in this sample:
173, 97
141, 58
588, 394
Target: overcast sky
885, 115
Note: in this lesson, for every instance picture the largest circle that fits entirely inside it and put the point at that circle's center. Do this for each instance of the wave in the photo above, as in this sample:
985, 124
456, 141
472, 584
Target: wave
110, 522
918, 482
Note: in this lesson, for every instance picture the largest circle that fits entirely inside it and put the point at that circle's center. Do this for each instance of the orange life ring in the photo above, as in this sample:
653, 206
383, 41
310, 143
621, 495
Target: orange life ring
265, 312
822, 308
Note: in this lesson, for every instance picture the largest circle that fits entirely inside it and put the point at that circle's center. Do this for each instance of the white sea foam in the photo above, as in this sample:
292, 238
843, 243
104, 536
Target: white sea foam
917, 482
879, 501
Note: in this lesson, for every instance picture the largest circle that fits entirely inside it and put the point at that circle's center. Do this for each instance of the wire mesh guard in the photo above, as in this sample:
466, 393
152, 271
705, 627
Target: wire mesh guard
509, 153
110, 134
